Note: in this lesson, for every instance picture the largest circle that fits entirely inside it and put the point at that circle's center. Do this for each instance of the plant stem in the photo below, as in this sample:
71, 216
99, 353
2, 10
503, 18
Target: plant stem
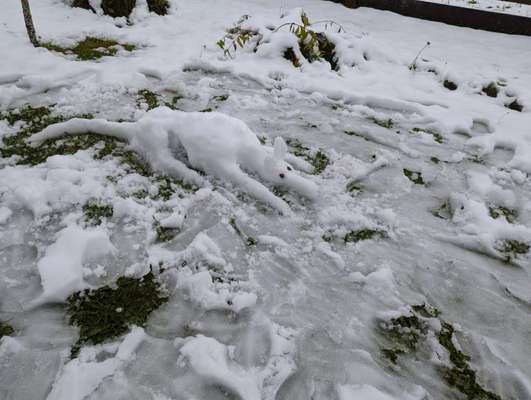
30, 28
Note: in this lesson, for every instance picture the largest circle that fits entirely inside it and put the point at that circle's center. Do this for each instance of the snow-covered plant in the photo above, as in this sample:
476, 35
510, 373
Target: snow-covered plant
313, 45
236, 37
310, 41
413, 64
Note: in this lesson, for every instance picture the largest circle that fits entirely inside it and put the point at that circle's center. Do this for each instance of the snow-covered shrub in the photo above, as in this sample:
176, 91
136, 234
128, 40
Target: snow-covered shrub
309, 43
313, 45
238, 37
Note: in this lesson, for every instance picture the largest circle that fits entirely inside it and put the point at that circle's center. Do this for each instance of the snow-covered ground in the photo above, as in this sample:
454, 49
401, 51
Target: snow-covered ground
499, 6
271, 295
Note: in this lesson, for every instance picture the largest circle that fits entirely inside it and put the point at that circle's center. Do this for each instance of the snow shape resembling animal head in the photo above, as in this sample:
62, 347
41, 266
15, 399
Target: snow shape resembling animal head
283, 174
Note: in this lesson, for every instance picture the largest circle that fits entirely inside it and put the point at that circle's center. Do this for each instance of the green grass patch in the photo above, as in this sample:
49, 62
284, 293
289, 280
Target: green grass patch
363, 234
414, 176
164, 233
392, 353
5, 329
318, 159
384, 123
459, 375
499, 211
515, 106
448, 84
109, 312
436, 135
35, 119
96, 213
148, 97
223, 97
90, 48
491, 90
406, 332
354, 187
511, 248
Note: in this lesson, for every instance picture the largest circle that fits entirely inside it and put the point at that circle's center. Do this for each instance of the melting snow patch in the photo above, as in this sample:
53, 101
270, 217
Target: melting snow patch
61, 268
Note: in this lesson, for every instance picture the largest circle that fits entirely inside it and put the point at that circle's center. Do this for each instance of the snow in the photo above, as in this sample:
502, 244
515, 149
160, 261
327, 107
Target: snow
281, 307
214, 142
81, 376
61, 268
503, 7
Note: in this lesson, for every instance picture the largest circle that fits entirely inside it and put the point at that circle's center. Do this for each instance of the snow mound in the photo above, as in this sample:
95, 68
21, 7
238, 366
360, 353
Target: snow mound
218, 144
81, 376
215, 363
61, 268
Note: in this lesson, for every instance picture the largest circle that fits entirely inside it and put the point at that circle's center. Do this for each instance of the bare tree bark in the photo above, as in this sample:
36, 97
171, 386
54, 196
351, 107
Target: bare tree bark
30, 28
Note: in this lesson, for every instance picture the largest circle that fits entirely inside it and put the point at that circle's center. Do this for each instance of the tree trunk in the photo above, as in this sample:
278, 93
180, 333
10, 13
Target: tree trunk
29, 23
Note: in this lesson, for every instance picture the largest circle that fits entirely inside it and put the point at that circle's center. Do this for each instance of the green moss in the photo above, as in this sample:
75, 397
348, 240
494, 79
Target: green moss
318, 159
414, 176
168, 187
165, 234
351, 133
435, 160
249, 240
392, 354
327, 237
134, 162
90, 48
5, 329
500, 211
148, 97
16, 146
491, 90
515, 106
436, 135
459, 375
223, 97
108, 312
33, 119
449, 85
95, 213
363, 234
354, 187
512, 248
384, 123
36, 119
425, 310
405, 331
173, 103
140, 194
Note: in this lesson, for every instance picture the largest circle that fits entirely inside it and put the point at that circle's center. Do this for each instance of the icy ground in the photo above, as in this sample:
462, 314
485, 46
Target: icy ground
278, 286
